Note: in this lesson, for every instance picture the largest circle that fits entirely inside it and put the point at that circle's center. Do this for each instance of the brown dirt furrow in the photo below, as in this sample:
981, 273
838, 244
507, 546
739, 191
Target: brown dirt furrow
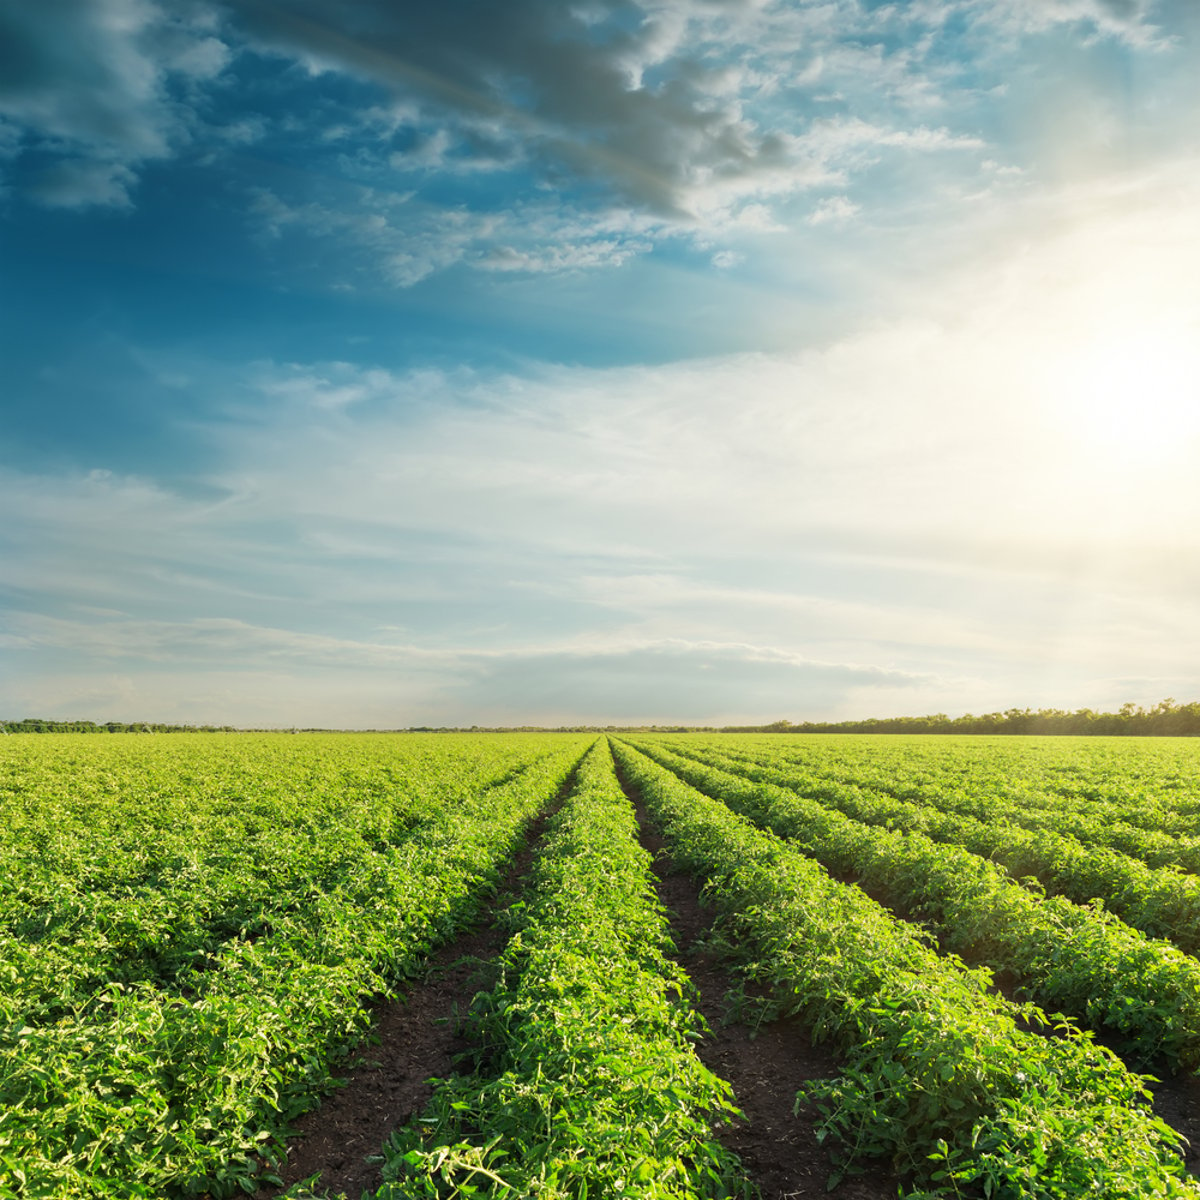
414, 1039
1177, 1101
766, 1065
417, 1040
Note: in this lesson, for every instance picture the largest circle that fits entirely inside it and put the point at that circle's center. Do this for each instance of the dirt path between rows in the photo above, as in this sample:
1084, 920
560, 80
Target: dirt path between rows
766, 1066
785, 1058
417, 1040
414, 1039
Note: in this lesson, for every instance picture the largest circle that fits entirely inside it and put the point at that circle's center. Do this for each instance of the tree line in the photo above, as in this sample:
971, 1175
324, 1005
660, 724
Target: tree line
1166, 719
42, 725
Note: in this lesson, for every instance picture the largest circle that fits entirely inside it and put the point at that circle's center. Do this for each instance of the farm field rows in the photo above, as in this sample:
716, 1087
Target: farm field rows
1161, 901
155, 1043
197, 929
1064, 956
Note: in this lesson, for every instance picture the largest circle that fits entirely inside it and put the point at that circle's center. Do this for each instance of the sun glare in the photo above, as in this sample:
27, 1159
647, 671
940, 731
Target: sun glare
1135, 398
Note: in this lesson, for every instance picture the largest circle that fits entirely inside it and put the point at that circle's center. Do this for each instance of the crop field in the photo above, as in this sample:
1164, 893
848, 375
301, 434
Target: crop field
569, 965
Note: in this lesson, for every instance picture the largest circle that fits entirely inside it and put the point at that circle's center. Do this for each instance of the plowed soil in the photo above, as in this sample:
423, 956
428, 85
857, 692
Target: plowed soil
766, 1065
415, 1040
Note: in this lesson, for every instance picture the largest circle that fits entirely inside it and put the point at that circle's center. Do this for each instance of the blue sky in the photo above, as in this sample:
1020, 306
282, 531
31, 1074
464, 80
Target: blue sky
374, 364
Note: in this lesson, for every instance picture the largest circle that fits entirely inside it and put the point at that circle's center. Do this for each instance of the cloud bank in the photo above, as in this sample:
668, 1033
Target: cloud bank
529, 137
383, 363
944, 510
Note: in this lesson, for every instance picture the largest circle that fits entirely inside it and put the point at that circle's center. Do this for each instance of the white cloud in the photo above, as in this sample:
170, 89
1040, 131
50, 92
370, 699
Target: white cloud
1125, 20
242, 132
391, 237
196, 57
335, 386
834, 137
562, 258
402, 241
902, 75
443, 152
934, 507
834, 210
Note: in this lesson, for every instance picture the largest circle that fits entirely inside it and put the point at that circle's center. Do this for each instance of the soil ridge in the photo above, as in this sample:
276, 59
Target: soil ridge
766, 1064
415, 1038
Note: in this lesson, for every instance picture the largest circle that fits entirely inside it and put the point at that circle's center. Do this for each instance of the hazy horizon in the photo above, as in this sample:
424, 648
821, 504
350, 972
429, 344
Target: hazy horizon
693, 361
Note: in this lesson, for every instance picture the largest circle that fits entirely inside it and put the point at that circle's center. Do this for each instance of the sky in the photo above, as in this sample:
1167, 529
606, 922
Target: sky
371, 363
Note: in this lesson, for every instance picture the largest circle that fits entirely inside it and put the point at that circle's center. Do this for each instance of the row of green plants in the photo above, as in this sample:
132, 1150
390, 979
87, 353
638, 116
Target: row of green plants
82, 815
939, 1076
1101, 799
141, 876
1154, 783
1078, 960
153, 1092
1162, 902
586, 1082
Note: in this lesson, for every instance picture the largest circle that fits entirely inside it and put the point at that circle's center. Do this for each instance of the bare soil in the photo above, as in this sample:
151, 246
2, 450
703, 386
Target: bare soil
1177, 1101
415, 1040
766, 1065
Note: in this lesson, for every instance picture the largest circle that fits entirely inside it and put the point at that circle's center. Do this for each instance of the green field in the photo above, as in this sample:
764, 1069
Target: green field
196, 929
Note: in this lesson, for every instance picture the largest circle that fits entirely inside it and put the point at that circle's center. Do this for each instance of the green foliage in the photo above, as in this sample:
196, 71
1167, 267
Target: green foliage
589, 1085
1081, 961
191, 930
935, 1060
1043, 817
184, 1067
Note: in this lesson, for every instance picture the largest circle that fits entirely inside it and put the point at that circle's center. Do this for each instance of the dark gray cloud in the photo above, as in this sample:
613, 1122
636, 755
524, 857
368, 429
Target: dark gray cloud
87, 82
71, 69
678, 109
614, 90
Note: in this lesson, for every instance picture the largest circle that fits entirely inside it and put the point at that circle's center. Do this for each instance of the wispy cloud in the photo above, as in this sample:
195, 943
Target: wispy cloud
566, 532
1130, 21
736, 357
834, 210
401, 241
